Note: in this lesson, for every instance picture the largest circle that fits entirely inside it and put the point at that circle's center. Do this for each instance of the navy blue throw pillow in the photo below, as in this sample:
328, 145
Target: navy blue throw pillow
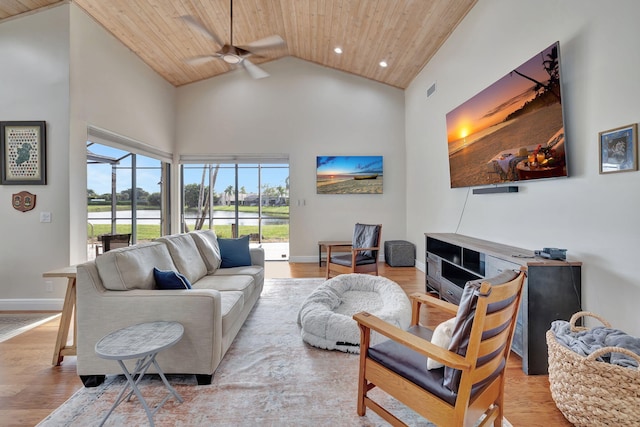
170, 280
234, 252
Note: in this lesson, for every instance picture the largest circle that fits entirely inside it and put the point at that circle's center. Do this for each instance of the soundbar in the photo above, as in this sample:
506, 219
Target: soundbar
494, 190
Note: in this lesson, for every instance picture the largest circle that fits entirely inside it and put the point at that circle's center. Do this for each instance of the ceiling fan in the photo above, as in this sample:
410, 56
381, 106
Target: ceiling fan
231, 54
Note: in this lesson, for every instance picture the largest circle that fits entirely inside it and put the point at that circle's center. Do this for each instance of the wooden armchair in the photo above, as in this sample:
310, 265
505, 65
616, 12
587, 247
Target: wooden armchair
471, 383
364, 252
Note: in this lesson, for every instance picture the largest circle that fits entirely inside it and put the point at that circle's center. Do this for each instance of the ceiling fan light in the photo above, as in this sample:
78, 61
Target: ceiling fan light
231, 59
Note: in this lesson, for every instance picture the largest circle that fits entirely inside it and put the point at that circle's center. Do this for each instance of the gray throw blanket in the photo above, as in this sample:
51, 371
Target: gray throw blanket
586, 342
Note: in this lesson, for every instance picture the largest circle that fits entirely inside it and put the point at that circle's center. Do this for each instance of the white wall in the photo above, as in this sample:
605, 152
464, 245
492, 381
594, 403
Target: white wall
58, 65
34, 85
594, 216
304, 110
111, 88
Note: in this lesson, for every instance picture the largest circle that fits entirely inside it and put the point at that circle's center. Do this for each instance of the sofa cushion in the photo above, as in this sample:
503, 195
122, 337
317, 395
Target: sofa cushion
132, 267
185, 255
207, 243
235, 252
255, 271
232, 303
170, 279
244, 284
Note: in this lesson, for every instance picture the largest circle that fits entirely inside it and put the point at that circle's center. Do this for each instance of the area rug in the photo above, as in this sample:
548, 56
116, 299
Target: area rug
13, 324
269, 377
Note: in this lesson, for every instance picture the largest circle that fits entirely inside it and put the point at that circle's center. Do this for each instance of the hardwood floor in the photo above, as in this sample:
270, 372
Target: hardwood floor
30, 388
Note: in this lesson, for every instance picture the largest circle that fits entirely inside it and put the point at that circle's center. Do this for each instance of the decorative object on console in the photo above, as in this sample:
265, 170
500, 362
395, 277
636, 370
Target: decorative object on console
619, 149
349, 174
510, 123
23, 201
23, 153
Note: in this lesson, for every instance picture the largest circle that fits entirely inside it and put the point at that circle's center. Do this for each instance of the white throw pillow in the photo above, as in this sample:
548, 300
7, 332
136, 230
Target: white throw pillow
441, 338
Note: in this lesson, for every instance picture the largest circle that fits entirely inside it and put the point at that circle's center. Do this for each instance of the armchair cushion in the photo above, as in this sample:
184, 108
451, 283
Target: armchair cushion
410, 364
442, 338
235, 252
170, 280
366, 236
346, 260
464, 321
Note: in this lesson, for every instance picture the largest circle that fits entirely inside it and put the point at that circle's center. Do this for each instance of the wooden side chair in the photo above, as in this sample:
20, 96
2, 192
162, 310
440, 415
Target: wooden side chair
364, 252
471, 382
113, 241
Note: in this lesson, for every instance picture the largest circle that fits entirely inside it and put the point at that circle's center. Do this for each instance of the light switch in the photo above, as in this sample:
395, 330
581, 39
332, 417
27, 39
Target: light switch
45, 216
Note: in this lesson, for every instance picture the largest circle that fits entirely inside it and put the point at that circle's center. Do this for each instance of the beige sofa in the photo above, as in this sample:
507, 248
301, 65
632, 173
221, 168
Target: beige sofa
118, 289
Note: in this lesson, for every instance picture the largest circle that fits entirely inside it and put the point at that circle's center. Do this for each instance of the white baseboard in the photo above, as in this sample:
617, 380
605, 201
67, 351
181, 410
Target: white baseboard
315, 258
303, 259
36, 304
421, 266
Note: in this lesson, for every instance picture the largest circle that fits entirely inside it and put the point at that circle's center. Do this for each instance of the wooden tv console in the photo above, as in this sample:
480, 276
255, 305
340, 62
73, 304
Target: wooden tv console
552, 290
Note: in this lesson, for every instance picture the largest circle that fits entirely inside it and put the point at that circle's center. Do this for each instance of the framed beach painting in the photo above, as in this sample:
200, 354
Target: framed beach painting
619, 149
23, 153
349, 174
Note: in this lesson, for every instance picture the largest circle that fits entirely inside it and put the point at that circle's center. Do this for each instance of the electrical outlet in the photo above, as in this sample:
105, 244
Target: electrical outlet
48, 286
45, 216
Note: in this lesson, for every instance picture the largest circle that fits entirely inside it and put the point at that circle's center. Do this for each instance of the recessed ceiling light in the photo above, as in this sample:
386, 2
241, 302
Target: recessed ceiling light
383, 64
337, 50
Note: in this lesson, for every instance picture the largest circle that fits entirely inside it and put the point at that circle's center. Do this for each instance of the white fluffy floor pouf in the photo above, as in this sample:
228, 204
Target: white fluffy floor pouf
326, 315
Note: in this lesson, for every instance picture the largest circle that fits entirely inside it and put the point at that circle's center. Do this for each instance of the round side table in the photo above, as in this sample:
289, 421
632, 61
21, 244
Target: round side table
142, 342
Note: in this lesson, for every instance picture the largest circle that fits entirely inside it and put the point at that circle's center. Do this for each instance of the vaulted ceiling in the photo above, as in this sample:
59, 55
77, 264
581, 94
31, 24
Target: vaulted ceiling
403, 33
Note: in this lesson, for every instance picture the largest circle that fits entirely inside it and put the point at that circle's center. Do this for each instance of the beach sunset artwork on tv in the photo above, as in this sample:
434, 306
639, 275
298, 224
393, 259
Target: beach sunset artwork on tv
513, 130
349, 175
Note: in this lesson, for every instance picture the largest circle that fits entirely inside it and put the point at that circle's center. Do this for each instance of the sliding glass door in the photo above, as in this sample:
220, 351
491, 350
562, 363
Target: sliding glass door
237, 199
125, 195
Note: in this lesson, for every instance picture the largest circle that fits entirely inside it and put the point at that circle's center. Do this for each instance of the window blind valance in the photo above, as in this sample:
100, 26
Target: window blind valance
112, 139
234, 158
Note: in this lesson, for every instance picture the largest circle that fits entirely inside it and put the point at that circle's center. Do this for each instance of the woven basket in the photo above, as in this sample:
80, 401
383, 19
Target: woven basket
589, 392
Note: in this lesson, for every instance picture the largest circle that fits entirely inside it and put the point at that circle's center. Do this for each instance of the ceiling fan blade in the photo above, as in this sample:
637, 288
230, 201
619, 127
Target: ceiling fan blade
198, 26
199, 60
253, 70
265, 43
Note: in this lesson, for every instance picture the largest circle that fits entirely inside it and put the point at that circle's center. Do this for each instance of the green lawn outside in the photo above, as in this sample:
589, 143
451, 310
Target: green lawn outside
271, 211
270, 233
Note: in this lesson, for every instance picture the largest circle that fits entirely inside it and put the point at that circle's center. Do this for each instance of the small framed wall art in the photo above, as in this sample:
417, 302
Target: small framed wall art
23, 153
619, 149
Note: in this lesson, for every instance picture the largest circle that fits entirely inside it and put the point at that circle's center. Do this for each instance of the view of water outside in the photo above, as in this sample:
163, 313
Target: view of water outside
262, 199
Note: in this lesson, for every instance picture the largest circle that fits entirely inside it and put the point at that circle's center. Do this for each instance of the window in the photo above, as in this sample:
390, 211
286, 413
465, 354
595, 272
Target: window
125, 195
237, 199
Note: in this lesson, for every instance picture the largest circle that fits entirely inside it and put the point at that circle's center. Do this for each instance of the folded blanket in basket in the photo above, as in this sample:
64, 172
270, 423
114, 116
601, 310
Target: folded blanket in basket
586, 342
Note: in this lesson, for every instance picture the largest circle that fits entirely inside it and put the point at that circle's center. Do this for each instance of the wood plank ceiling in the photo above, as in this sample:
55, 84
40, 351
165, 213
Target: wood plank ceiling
403, 33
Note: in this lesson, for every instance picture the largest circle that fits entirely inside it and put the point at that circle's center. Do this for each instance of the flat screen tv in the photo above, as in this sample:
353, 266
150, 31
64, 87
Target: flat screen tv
513, 130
